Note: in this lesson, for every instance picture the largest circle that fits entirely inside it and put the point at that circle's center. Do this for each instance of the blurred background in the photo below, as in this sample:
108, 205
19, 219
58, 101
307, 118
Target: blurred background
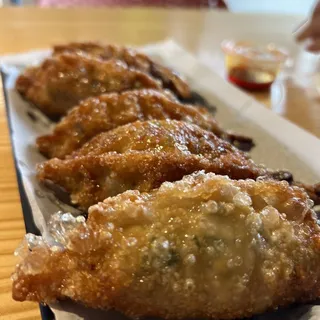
301, 7
199, 31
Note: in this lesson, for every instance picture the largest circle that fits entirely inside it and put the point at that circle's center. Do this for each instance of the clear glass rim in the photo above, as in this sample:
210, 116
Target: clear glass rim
240, 48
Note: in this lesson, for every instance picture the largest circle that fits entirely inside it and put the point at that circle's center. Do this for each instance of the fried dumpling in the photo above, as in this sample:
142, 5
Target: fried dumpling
205, 247
133, 59
62, 81
108, 111
142, 155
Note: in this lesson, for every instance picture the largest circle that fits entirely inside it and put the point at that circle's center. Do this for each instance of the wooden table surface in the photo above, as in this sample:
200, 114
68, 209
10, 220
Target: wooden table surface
24, 29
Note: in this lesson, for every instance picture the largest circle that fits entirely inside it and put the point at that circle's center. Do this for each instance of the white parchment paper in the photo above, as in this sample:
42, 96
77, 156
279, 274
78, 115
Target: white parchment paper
280, 145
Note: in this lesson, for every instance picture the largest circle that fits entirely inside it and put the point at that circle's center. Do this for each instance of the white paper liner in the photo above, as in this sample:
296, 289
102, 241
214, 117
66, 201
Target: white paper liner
280, 145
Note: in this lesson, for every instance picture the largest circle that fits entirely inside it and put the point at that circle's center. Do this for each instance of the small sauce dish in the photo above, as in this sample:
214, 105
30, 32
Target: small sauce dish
252, 66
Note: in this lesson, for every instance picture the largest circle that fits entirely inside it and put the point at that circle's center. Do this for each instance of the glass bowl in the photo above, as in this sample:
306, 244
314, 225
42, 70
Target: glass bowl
252, 66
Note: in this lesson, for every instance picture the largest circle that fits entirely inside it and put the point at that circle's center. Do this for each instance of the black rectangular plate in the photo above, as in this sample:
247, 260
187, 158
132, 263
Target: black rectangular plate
46, 313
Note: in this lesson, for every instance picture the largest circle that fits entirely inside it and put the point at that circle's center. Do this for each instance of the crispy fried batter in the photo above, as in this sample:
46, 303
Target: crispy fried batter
312, 190
142, 155
133, 59
204, 247
108, 111
61, 82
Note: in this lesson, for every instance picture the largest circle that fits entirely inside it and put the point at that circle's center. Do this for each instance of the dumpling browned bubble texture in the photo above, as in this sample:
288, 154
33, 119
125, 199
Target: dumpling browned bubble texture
142, 155
108, 111
202, 247
62, 81
133, 59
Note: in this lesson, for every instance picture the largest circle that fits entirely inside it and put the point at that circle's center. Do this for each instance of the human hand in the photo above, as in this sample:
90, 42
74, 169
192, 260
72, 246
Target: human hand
310, 31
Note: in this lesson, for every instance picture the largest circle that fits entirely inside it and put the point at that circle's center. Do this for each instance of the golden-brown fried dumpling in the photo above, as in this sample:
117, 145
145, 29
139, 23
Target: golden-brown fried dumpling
133, 59
142, 155
205, 247
108, 111
61, 82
